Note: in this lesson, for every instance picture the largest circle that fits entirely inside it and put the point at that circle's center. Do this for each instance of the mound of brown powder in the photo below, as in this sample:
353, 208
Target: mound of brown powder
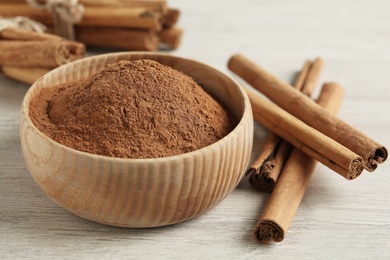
132, 109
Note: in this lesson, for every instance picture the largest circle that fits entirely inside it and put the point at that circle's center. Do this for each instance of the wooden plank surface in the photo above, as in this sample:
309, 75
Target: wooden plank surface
337, 219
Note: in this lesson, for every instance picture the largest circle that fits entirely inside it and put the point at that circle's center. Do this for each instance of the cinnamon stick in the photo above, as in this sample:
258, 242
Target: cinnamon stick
309, 112
26, 56
312, 77
128, 39
111, 16
303, 75
265, 171
264, 179
314, 143
293, 182
264, 165
171, 17
171, 37
23, 74
49, 53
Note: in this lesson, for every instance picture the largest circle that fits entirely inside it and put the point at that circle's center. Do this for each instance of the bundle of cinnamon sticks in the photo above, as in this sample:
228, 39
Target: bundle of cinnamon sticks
314, 131
26, 55
143, 25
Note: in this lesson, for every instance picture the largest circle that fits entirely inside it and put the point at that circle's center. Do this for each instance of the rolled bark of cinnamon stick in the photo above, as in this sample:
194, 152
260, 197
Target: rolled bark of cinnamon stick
171, 37
48, 53
130, 17
309, 112
23, 74
270, 169
170, 18
314, 143
265, 171
294, 179
262, 168
128, 39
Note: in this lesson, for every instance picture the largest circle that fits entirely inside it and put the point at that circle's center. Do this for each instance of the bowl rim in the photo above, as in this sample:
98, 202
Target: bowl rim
247, 110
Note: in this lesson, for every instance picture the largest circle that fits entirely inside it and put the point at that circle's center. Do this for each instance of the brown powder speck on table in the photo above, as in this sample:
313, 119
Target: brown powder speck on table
132, 109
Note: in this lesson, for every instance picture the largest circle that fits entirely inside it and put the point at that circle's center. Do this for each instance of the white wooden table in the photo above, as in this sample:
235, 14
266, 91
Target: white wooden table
337, 219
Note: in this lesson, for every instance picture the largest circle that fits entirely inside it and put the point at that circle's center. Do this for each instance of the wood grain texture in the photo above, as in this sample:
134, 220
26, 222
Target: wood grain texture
337, 219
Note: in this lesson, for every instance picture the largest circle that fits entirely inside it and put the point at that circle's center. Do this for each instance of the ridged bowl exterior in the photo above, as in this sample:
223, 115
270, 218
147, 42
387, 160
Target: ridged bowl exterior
139, 192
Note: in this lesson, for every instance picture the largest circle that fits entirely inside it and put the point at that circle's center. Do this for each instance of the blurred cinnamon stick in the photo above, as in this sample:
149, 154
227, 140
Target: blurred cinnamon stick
302, 107
123, 38
170, 18
110, 16
171, 37
27, 55
50, 53
293, 181
155, 5
125, 24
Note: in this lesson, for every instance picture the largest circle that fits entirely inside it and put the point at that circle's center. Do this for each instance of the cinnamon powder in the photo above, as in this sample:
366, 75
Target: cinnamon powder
132, 109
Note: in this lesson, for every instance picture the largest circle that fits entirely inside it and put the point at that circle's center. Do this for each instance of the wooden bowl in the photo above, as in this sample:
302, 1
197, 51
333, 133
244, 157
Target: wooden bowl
139, 192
